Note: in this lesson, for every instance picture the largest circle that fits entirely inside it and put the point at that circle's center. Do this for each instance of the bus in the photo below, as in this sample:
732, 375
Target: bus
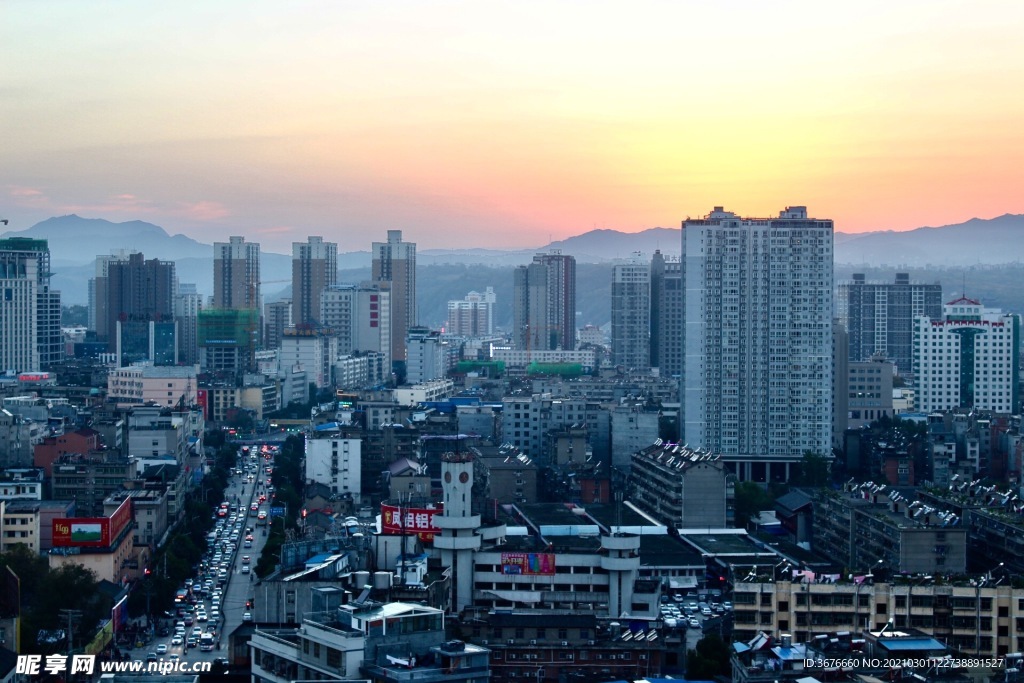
261, 518
206, 642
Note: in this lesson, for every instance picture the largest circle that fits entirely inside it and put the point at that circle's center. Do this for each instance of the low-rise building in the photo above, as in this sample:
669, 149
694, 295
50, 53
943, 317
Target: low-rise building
860, 526
682, 487
149, 507
985, 619
166, 386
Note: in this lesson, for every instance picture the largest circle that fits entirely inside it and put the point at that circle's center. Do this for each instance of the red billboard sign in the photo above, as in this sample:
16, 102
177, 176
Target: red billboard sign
529, 564
92, 532
416, 520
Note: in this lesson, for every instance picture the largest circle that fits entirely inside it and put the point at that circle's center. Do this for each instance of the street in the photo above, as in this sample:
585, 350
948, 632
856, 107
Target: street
239, 586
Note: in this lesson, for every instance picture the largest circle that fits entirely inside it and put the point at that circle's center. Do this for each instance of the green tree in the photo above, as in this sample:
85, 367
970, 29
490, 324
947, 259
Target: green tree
709, 660
751, 498
815, 470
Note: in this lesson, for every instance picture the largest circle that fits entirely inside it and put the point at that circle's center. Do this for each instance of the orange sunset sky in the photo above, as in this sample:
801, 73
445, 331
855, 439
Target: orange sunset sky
507, 124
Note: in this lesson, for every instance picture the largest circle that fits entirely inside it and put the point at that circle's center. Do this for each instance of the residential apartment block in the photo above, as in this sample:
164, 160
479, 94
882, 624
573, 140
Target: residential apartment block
757, 386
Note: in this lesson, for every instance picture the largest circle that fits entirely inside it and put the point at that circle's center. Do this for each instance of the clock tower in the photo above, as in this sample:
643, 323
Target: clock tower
458, 540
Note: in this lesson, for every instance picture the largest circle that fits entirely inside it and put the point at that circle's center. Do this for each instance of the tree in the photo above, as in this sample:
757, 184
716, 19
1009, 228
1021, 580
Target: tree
709, 660
814, 471
751, 499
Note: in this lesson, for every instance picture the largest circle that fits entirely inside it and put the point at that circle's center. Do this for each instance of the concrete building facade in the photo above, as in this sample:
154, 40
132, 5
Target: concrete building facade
757, 386
544, 310
879, 317
394, 263
967, 359
314, 269
631, 315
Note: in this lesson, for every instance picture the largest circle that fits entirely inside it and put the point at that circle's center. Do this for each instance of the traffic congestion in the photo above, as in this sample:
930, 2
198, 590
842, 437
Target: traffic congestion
219, 595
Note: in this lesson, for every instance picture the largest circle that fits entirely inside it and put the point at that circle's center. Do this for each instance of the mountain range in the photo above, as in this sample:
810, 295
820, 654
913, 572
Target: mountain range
976, 242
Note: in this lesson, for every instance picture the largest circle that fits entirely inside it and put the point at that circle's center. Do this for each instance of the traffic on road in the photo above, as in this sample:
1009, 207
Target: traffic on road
216, 599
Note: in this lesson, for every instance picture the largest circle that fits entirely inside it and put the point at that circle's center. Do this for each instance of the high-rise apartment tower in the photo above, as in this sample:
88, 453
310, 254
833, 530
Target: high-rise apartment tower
631, 315
236, 274
879, 317
314, 268
544, 309
757, 338
394, 262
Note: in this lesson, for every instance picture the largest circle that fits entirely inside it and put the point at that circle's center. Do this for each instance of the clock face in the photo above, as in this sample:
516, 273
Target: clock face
448, 477
464, 477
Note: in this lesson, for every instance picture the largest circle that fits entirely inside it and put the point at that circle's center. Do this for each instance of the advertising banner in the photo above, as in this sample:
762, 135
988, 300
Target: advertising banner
529, 564
395, 520
92, 532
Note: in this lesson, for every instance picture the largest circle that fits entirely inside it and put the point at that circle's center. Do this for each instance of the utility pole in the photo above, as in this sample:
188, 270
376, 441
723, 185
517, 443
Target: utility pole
71, 615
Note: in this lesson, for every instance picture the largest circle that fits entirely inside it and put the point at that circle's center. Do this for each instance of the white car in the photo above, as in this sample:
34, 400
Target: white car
202, 616
247, 616
245, 569
161, 649
177, 640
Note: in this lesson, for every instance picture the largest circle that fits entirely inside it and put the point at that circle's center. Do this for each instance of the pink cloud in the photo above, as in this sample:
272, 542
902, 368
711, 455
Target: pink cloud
205, 211
276, 230
25, 192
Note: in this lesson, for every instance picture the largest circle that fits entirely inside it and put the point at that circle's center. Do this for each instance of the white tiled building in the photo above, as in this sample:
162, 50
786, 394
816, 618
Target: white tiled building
335, 462
757, 339
969, 343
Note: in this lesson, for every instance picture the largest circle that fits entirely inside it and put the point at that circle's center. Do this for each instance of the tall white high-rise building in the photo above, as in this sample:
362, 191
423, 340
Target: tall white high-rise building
967, 359
19, 324
360, 317
46, 332
757, 338
472, 316
631, 315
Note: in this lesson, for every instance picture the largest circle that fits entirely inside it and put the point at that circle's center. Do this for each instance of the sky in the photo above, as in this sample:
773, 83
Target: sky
507, 124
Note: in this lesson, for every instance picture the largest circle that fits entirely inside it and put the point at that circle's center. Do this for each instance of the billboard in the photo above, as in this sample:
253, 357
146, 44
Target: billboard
416, 520
529, 564
92, 532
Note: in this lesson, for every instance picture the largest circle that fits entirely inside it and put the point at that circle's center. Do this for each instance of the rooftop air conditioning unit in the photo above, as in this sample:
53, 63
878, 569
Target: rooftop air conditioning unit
565, 643
511, 641
533, 642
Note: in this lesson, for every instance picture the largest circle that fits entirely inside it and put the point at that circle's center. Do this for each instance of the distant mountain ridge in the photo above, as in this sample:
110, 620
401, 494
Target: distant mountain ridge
974, 242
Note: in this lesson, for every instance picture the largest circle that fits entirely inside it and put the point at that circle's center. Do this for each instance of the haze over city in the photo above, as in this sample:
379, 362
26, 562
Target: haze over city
507, 124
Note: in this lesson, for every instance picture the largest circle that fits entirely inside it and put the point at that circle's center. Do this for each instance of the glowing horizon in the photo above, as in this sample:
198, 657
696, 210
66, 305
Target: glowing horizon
507, 125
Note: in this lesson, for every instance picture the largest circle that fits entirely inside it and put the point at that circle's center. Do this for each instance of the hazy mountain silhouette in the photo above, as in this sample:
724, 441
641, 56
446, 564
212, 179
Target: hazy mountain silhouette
978, 241
972, 243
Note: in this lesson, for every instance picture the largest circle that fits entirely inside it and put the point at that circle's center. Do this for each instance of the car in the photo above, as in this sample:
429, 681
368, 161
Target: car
161, 649
727, 606
249, 537
202, 616
151, 657
192, 641
245, 559
197, 631
174, 657
694, 623
189, 619
245, 569
677, 597
177, 640
705, 612
247, 616
247, 544
215, 616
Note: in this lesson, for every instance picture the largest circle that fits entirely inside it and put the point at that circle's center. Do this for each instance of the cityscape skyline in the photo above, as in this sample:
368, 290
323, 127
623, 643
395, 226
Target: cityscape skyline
505, 125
